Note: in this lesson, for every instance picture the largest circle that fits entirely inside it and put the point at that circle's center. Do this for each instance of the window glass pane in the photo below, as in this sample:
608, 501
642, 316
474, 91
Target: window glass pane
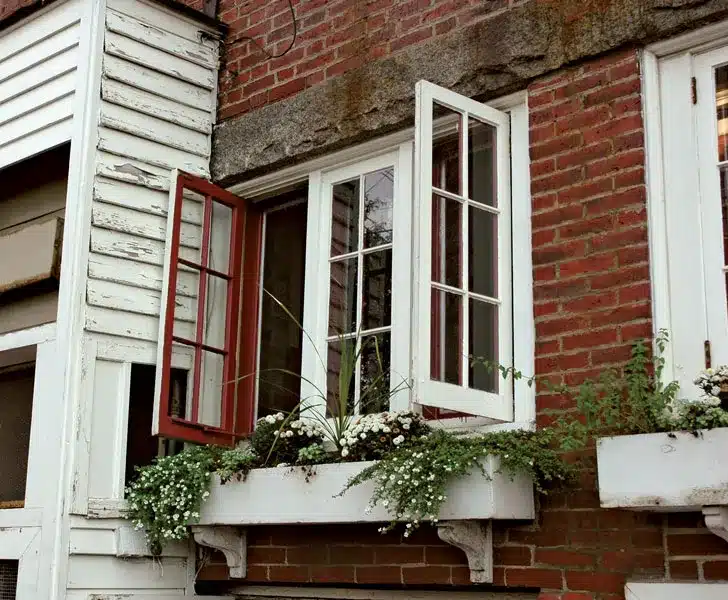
16, 391
446, 241
215, 312
481, 163
185, 304
220, 238
341, 373
375, 374
378, 198
281, 337
377, 284
446, 162
342, 302
345, 218
211, 388
721, 93
446, 337
483, 328
180, 385
483, 252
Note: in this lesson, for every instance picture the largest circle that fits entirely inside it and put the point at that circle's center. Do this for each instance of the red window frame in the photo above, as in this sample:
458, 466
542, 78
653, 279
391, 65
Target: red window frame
238, 351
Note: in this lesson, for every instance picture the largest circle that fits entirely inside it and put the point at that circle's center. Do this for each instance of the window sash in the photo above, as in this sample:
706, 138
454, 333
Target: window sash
435, 393
189, 429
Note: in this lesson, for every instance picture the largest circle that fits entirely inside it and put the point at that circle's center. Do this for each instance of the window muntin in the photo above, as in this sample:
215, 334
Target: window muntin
360, 291
464, 287
201, 319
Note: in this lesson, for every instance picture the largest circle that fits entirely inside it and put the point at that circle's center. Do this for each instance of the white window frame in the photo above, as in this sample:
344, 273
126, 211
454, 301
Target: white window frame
402, 144
688, 287
462, 398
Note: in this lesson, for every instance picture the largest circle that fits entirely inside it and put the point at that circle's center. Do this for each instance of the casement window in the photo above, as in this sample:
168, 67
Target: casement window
400, 255
687, 133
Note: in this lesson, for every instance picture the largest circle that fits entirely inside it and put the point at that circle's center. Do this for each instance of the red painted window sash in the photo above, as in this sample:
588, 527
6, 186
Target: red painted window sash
190, 430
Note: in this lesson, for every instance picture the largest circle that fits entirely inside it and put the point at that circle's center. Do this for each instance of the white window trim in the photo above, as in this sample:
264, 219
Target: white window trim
675, 56
522, 278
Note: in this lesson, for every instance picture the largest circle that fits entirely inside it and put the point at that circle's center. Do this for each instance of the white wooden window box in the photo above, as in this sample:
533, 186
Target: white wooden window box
282, 496
667, 472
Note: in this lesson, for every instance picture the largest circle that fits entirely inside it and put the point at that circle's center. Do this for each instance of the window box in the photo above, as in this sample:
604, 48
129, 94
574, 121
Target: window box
664, 472
282, 496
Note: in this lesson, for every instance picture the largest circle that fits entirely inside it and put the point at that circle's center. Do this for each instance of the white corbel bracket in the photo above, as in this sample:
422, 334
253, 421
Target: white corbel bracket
475, 538
231, 541
716, 519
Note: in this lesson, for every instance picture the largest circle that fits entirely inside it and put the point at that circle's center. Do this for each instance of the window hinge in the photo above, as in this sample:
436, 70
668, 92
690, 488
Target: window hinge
694, 89
706, 347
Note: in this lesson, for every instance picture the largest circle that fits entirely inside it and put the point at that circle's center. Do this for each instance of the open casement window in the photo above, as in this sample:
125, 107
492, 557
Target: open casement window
463, 280
212, 237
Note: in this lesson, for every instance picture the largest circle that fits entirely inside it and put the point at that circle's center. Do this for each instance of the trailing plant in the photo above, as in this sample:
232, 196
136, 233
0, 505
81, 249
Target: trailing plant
411, 482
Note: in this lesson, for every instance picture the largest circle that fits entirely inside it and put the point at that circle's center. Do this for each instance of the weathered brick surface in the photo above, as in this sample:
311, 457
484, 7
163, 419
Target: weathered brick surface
333, 37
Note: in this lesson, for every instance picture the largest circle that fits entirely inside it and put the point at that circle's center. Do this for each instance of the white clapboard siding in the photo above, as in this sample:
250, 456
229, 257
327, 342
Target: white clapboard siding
105, 572
38, 63
157, 111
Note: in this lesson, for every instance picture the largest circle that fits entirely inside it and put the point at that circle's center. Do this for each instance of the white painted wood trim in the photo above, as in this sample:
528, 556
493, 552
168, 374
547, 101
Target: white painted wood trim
698, 40
656, 214
27, 337
461, 398
71, 301
653, 590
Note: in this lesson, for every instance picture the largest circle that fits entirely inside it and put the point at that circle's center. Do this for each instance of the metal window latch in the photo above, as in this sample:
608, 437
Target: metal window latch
706, 347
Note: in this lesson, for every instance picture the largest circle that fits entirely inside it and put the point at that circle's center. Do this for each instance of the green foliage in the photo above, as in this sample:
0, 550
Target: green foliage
166, 496
412, 481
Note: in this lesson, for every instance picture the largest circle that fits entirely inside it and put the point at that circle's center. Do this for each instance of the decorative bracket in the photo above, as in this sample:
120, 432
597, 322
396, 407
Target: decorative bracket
476, 540
231, 541
716, 519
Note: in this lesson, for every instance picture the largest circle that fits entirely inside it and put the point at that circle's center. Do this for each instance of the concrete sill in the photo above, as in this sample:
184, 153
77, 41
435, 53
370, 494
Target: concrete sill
664, 472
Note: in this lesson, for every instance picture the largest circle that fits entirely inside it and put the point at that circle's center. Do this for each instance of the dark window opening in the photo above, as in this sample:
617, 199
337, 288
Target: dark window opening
16, 408
281, 337
141, 446
8, 579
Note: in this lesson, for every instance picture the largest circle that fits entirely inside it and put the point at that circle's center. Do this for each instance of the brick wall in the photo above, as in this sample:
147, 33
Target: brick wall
334, 36
8, 7
592, 298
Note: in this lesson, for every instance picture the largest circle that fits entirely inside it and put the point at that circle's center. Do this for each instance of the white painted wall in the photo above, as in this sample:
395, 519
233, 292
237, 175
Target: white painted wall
38, 79
676, 591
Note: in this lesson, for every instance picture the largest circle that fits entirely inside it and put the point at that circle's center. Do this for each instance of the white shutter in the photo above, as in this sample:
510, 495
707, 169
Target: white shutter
443, 379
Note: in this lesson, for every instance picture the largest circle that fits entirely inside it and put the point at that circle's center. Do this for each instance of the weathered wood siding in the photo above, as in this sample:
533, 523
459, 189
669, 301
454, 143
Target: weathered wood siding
158, 106
38, 79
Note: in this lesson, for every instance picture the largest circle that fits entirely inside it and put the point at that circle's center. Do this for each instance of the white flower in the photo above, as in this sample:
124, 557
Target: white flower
270, 419
345, 452
398, 440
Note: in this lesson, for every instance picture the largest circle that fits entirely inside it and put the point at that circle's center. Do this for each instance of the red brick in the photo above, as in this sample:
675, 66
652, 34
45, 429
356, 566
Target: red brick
351, 555
586, 190
696, 544
583, 155
584, 118
556, 180
564, 558
444, 555
513, 556
618, 162
429, 575
543, 578
592, 339
330, 574
380, 575
613, 92
683, 569
595, 582
396, 555
555, 146
307, 555
266, 555
621, 314
582, 266
288, 574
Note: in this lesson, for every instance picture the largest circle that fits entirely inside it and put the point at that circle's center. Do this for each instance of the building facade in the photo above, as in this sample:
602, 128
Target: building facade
537, 181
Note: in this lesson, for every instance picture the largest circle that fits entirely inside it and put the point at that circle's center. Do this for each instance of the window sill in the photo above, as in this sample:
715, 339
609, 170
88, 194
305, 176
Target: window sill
281, 496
